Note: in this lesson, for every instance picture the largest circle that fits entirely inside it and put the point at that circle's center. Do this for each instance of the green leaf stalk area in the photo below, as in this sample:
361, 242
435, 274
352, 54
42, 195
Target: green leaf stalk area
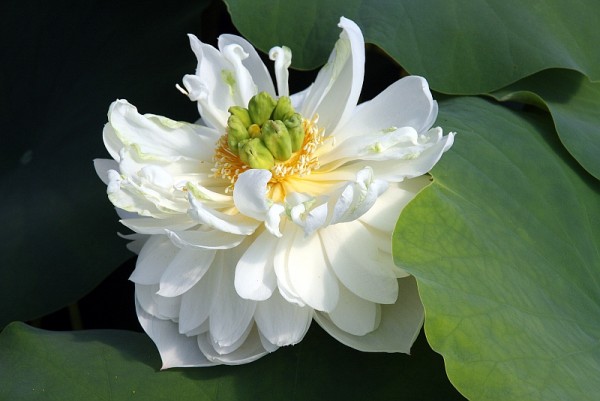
461, 47
574, 102
120, 365
504, 245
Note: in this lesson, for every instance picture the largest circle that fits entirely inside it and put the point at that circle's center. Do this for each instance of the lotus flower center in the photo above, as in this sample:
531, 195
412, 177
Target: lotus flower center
268, 135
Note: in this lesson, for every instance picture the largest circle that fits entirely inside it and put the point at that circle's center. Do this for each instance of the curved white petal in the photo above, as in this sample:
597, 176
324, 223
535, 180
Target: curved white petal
281, 322
335, 92
185, 270
254, 274
273, 219
212, 86
399, 170
249, 351
176, 350
145, 225
154, 304
310, 274
197, 302
393, 144
127, 196
234, 224
358, 197
405, 103
283, 59
385, 212
230, 314
358, 264
155, 256
157, 137
282, 253
137, 242
249, 194
308, 212
243, 87
253, 63
223, 349
206, 239
399, 327
355, 315
102, 166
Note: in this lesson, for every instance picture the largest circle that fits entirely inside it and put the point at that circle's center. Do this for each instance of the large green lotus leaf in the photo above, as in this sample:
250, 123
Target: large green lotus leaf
63, 64
574, 103
505, 248
459, 46
121, 365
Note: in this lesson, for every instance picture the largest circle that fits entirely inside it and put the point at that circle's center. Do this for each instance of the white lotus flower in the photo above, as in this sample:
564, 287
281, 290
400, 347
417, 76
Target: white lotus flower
240, 250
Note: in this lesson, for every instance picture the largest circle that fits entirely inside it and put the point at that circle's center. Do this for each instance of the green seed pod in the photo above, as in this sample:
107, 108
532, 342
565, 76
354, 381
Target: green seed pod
255, 154
254, 131
283, 109
242, 114
236, 132
260, 108
296, 131
277, 139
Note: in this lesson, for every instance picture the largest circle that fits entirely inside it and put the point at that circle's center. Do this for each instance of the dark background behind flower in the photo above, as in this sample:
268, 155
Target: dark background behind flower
62, 265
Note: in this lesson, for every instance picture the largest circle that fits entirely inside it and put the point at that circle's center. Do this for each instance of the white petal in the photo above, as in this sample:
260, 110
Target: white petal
310, 274
399, 327
159, 137
308, 212
230, 314
283, 59
358, 197
281, 322
355, 315
254, 275
243, 88
207, 197
212, 85
273, 219
207, 239
250, 193
399, 170
393, 144
154, 304
112, 143
358, 263
267, 345
405, 103
153, 260
127, 195
185, 270
299, 98
229, 348
176, 350
137, 242
335, 93
197, 302
257, 69
144, 295
235, 224
196, 331
280, 264
145, 225
384, 214
250, 350
102, 166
